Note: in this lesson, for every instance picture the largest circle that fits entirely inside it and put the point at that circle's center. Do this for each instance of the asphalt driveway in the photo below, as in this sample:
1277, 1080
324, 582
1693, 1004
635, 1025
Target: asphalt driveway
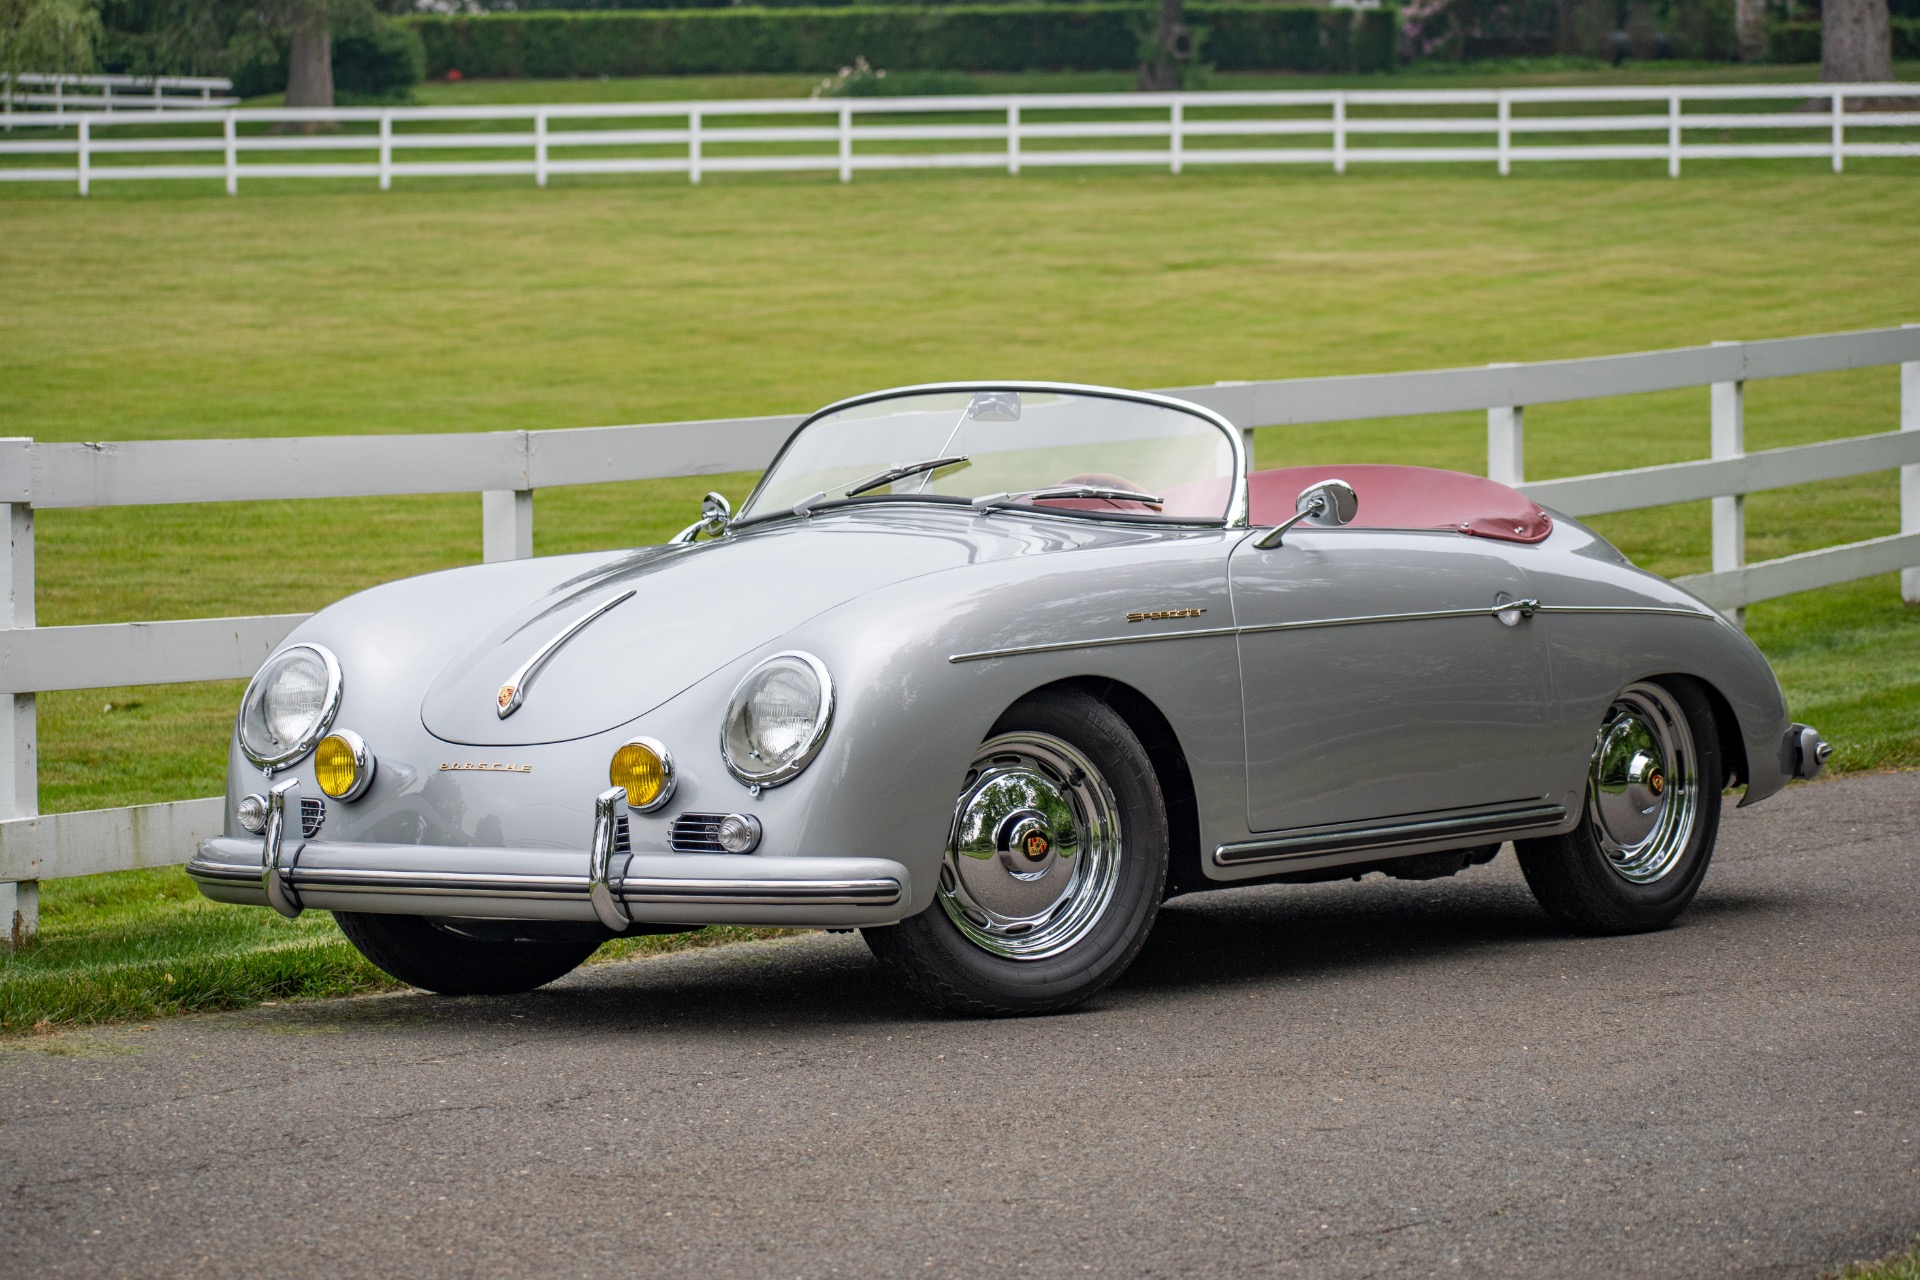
1374, 1079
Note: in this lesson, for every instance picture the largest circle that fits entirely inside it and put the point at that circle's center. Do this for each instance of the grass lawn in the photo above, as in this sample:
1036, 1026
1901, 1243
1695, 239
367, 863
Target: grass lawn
480, 305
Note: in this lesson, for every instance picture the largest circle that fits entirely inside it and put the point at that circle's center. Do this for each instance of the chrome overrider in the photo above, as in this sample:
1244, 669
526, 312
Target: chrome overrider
594, 883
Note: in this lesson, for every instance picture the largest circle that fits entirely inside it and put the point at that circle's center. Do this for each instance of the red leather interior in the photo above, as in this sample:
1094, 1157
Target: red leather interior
1408, 498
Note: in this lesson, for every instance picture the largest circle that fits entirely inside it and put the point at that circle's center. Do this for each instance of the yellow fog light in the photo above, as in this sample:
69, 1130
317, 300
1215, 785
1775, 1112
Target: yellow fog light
342, 765
645, 768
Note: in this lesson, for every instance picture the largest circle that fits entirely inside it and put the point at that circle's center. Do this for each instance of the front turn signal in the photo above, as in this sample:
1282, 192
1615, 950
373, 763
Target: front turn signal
644, 767
343, 766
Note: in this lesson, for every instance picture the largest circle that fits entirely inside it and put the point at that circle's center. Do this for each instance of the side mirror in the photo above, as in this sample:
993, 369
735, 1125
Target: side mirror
715, 516
1326, 504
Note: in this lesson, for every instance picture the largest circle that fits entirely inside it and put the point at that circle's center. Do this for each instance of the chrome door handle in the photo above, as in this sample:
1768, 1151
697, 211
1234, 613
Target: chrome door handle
1512, 611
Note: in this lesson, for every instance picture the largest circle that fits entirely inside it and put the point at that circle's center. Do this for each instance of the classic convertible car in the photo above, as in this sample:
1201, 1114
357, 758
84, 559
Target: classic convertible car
987, 671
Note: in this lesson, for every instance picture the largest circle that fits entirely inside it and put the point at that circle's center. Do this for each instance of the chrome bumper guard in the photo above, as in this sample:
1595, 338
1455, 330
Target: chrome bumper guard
1804, 752
561, 884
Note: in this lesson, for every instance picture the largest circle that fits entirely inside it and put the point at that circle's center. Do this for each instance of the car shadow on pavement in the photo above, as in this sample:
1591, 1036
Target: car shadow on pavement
811, 982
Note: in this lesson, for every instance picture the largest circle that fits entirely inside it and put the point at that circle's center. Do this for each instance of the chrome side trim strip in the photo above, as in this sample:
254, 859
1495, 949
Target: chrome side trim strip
221, 873
514, 691
477, 883
1314, 842
1311, 624
1669, 610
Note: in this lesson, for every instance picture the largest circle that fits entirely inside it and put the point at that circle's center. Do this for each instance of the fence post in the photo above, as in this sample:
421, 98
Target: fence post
1013, 140
85, 137
233, 156
539, 148
1673, 135
506, 525
846, 142
1506, 136
1339, 133
693, 147
19, 751
1174, 127
1506, 439
386, 150
1839, 130
1910, 474
1730, 512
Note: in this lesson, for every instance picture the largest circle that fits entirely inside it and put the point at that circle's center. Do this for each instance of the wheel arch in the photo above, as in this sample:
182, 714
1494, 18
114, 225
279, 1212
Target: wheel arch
1169, 761
1732, 743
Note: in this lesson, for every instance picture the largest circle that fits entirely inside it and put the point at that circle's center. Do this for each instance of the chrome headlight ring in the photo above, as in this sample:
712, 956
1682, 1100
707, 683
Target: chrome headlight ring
743, 759
258, 742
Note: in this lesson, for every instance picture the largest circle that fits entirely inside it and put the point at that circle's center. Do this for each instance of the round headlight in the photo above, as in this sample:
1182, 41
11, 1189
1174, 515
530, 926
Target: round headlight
289, 705
645, 768
777, 719
343, 766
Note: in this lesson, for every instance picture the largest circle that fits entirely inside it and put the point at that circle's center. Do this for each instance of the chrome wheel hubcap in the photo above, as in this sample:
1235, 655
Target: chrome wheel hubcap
1643, 789
1035, 852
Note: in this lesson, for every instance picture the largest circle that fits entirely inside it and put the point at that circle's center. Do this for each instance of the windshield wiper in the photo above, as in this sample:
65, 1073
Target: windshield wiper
992, 500
906, 469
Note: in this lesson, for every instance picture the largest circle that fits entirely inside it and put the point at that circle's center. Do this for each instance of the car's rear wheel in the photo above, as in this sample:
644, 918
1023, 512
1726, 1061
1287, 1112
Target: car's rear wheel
432, 956
1651, 817
1054, 868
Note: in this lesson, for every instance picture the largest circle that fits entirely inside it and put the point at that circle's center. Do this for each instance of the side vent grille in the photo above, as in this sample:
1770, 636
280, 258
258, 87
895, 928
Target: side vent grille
622, 841
313, 816
696, 833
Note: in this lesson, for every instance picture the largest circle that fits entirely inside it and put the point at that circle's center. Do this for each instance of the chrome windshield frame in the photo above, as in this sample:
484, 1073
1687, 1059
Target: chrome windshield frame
1236, 515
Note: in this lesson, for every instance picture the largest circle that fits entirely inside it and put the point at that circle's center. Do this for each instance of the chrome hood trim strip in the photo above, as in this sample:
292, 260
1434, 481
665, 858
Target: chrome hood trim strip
514, 691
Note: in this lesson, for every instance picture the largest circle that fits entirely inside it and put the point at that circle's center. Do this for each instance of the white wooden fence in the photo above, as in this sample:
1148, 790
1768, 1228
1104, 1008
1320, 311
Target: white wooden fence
507, 467
62, 94
1173, 131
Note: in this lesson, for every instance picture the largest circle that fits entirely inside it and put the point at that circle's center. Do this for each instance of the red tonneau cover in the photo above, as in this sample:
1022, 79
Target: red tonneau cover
1408, 498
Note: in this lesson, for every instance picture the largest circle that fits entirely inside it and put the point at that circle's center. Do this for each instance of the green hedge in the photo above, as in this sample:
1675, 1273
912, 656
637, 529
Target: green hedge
1080, 37
1800, 41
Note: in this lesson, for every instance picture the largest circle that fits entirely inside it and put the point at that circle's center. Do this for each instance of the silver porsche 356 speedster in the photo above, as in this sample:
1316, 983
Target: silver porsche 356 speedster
987, 671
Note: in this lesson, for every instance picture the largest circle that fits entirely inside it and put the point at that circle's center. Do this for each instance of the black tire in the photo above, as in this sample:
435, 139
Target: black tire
934, 956
426, 955
1586, 880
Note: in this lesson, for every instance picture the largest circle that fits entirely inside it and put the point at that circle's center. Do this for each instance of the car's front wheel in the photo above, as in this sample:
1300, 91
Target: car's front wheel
1652, 814
426, 954
1054, 868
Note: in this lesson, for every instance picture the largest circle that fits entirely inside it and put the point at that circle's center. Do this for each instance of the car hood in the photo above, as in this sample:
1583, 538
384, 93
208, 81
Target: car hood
686, 612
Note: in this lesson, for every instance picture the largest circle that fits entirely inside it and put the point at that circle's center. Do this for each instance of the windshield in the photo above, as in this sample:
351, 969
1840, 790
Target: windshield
1052, 450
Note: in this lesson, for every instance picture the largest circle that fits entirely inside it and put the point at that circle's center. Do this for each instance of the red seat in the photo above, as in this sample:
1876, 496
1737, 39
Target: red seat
1408, 498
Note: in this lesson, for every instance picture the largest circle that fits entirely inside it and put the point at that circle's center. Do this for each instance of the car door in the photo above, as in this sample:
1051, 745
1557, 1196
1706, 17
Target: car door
1378, 682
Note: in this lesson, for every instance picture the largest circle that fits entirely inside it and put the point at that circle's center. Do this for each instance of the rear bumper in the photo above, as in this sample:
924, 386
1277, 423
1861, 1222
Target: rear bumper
542, 884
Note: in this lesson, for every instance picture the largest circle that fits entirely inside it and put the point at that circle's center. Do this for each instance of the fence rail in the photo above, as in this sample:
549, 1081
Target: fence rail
110, 94
1173, 131
507, 467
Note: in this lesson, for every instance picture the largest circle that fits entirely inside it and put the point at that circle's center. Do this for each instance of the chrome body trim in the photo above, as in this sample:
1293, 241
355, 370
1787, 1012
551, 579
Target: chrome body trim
791, 769
1237, 500
1526, 608
1806, 751
1363, 840
514, 691
364, 765
276, 880
606, 818
330, 707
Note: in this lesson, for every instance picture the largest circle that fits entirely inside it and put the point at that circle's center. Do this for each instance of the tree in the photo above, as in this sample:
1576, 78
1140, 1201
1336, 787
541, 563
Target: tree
1856, 42
1167, 50
48, 36
309, 28
1750, 29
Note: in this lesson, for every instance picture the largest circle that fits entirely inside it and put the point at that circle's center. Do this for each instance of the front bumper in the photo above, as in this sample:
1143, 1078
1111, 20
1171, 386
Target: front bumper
278, 869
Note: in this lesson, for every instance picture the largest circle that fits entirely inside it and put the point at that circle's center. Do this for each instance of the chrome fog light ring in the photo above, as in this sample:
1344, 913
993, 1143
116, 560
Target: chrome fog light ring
359, 757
